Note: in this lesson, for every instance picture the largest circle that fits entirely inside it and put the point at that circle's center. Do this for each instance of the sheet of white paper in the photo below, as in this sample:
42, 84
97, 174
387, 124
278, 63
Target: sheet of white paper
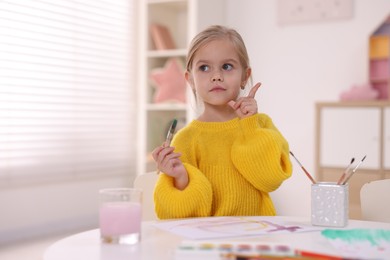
220, 227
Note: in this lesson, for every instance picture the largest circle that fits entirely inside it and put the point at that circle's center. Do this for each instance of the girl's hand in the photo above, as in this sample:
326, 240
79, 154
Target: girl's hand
168, 162
246, 106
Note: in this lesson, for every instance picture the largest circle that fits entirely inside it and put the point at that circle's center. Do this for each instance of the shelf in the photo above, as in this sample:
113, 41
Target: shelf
175, 3
374, 103
174, 16
167, 53
339, 132
379, 80
340, 170
166, 107
179, 20
379, 58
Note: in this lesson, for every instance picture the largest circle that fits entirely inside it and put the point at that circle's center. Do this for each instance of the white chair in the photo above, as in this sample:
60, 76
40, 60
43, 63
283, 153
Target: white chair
146, 182
375, 200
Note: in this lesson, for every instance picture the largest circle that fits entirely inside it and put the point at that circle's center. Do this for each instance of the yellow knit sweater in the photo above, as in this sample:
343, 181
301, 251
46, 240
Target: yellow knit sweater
232, 166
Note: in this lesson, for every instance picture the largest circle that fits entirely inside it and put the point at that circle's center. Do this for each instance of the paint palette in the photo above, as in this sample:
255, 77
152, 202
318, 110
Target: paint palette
223, 250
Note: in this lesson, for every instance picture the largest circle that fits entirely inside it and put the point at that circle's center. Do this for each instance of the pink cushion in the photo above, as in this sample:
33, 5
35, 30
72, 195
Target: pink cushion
359, 92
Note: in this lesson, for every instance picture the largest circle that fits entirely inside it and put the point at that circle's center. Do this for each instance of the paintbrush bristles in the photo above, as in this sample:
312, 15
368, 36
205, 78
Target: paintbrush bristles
172, 129
354, 170
346, 171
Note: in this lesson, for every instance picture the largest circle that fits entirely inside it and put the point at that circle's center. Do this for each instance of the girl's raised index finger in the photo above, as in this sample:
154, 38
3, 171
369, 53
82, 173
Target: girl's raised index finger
254, 89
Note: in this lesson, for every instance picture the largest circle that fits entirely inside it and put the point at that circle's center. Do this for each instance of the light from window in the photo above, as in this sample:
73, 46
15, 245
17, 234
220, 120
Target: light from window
67, 105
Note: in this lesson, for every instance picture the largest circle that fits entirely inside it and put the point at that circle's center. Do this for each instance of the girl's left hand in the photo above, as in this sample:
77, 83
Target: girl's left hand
246, 106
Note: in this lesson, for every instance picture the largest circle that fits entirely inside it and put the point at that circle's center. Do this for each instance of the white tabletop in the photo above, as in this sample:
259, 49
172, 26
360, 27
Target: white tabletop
159, 244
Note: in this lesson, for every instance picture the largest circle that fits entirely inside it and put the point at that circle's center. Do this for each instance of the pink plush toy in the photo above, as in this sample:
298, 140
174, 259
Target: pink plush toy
359, 92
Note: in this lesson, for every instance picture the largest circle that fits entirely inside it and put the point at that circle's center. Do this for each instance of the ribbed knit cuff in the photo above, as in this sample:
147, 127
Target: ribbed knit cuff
194, 201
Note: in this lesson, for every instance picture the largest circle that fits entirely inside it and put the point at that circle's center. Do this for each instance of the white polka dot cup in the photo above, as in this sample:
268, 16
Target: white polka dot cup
329, 204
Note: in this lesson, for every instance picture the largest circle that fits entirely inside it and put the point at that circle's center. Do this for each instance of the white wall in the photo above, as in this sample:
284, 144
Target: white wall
300, 65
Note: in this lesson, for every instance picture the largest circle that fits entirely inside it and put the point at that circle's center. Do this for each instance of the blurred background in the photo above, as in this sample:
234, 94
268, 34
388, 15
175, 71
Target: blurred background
76, 98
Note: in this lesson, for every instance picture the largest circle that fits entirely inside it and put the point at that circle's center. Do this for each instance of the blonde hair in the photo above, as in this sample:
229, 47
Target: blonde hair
217, 32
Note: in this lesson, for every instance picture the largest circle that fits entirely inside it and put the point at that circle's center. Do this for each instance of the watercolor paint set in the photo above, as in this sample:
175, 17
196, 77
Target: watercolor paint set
240, 250
189, 250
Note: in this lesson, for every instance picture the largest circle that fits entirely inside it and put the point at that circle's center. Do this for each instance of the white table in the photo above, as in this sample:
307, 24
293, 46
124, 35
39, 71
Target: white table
160, 244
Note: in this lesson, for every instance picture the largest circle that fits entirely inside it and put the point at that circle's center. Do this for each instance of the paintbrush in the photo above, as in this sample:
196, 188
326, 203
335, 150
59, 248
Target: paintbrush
346, 172
170, 134
303, 168
354, 170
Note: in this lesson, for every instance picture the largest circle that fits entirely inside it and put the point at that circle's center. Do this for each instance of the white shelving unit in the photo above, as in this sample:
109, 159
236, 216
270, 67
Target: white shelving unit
183, 18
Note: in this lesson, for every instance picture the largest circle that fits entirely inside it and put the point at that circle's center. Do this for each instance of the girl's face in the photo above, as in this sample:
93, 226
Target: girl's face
217, 74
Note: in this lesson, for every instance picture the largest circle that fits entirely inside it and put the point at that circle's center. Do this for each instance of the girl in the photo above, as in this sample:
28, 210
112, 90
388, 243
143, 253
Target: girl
226, 161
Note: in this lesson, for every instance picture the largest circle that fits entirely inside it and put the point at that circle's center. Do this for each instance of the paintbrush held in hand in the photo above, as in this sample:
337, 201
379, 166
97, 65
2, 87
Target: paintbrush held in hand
170, 134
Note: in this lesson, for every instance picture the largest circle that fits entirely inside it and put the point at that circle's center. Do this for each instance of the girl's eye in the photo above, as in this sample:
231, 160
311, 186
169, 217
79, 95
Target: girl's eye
227, 66
204, 68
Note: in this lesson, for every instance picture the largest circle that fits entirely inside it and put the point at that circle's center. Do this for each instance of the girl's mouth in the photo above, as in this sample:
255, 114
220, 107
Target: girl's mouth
217, 89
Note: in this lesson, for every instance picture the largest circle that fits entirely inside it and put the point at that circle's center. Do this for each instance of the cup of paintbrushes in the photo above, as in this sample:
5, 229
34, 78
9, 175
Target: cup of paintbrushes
329, 204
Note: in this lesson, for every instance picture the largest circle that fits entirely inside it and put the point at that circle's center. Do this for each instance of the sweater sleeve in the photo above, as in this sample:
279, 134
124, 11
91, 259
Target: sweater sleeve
194, 201
261, 154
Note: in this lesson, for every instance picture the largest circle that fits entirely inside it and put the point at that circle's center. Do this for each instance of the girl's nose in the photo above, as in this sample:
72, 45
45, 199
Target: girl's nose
217, 77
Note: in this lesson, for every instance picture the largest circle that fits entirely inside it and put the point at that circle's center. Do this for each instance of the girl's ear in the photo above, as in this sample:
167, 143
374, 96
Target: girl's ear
189, 79
246, 76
